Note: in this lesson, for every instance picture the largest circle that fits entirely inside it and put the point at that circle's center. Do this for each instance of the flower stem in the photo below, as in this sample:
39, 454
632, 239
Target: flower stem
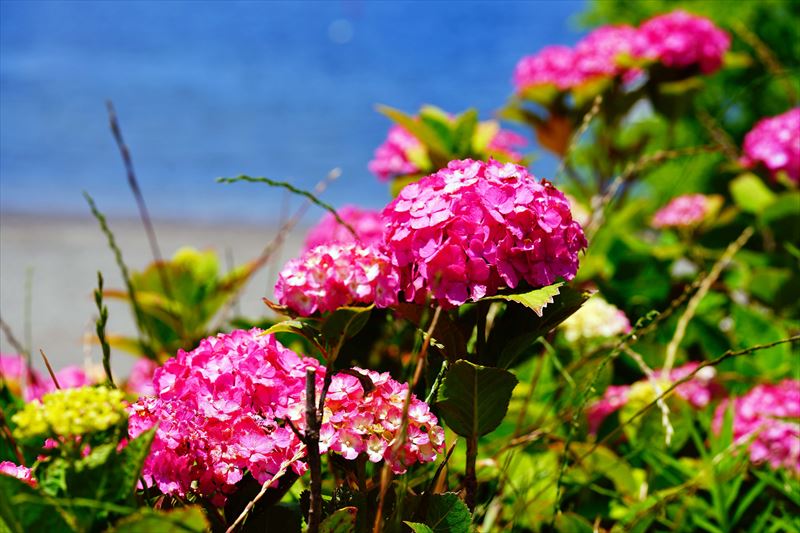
470, 479
312, 447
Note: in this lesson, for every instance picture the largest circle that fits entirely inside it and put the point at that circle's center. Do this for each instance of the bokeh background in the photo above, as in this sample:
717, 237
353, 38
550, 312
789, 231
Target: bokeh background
208, 89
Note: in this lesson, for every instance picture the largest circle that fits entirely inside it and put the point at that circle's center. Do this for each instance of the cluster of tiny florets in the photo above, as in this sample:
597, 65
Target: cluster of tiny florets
774, 143
682, 212
331, 276
698, 392
70, 413
224, 409
356, 422
22, 473
675, 40
466, 231
596, 319
365, 222
767, 419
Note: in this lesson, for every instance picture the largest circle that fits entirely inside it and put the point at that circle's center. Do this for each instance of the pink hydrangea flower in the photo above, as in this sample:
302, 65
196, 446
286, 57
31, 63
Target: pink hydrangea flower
370, 423
331, 276
682, 212
366, 223
769, 415
21, 380
698, 392
22, 473
553, 65
391, 158
466, 231
775, 143
596, 54
223, 410
140, 381
682, 40
219, 410
507, 143
69, 377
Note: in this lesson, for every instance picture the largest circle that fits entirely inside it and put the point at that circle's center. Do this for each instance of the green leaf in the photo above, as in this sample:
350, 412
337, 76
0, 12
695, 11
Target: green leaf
340, 521
128, 464
418, 527
344, 323
535, 300
572, 523
543, 94
189, 519
421, 130
464, 132
297, 327
751, 194
447, 514
40, 514
783, 217
474, 399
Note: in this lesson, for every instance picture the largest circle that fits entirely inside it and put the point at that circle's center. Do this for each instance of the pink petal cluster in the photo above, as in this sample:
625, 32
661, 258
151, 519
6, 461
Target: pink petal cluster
769, 416
140, 380
391, 158
682, 212
331, 276
676, 40
7, 468
775, 143
224, 409
366, 223
31, 385
553, 65
356, 423
699, 391
220, 411
474, 227
682, 40
507, 142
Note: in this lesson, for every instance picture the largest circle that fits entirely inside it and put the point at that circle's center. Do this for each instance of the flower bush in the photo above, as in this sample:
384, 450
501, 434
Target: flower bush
366, 223
473, 228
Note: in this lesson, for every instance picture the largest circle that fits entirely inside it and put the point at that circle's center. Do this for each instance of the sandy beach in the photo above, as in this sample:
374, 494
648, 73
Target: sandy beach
64, 255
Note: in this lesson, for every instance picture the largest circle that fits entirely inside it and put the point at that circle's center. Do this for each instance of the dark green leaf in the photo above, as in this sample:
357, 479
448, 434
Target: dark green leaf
340, 521
447, 514
473, 398
38, 513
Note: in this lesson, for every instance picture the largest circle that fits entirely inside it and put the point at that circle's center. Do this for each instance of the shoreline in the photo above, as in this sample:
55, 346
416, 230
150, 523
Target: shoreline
64, 253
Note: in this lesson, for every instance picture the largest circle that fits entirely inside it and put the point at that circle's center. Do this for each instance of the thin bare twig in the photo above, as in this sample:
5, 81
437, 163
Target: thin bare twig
585, 123
12, 340
669, 431
691, 307
137, 193
50, 369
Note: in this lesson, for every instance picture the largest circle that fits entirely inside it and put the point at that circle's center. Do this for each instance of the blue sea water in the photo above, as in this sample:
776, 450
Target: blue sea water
208, 89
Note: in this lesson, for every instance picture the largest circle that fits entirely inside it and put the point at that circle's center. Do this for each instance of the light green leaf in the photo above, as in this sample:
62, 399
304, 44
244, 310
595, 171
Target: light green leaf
418, 527
535, 300
421, 130
474, 399
185, 519
750, 193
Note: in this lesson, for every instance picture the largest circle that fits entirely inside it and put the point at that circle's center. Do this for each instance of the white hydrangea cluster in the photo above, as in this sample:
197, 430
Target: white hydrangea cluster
596, 319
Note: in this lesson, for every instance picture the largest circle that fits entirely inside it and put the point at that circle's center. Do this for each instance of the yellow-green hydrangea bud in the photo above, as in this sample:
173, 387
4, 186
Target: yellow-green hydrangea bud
70, 412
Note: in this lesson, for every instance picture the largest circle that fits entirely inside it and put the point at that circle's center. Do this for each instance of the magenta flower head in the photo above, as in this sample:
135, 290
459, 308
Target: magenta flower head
598, 53
331, 276
474, 227
393, 157
21, 380
682, 212
140, 380
366, 223
221, 410
682, 40
775, 143
24, 474
768, 417
553, 65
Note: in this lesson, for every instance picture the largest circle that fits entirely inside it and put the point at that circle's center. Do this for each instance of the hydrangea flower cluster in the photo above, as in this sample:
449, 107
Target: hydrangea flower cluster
775, 143
140, 380
331, 276
474, 227
392, 158
676, 40
70, 413
16, 375
401, 154
366, 223
24, 474
356, 423
770, 416
682, 212
698, 392
221, 412
595, 319
682, 40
